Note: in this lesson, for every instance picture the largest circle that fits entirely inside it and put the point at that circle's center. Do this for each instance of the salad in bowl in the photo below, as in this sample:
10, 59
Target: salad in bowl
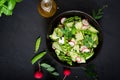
73, 39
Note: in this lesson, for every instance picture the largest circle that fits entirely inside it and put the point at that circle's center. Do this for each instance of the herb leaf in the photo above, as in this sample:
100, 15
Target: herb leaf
45, 65
7, 6
90, 71
37, 44
55, 73
37, 57
11, 4
98, 14
49, 68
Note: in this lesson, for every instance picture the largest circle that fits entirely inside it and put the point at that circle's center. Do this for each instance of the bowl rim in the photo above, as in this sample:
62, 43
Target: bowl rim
90, 17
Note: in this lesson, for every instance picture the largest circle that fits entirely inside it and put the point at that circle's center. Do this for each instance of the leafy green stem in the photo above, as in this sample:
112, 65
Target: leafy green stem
99, 13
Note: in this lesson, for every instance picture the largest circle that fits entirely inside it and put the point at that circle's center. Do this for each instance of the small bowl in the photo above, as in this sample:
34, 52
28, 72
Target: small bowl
53, 25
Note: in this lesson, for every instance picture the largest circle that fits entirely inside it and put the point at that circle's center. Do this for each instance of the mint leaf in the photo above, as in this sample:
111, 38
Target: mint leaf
49, 68
55, 73
45, 65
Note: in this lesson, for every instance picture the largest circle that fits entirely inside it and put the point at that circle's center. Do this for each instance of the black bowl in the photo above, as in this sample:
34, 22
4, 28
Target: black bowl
54, 24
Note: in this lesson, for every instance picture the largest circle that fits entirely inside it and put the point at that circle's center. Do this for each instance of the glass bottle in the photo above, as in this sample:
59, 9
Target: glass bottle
47, 8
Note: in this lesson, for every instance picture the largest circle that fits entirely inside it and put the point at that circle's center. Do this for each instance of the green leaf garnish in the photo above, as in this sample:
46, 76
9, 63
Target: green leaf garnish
37, 57
49, 68
37, 44
90, 71
7, 6
55, 73
45, 65
98, 14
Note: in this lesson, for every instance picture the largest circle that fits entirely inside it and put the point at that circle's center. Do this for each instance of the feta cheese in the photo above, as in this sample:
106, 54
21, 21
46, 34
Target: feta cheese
61, 40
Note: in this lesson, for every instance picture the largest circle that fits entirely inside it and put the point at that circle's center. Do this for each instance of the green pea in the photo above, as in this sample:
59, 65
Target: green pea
37, 57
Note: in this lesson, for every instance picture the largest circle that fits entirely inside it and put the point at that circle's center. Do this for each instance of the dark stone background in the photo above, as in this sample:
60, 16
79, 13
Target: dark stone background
19, 32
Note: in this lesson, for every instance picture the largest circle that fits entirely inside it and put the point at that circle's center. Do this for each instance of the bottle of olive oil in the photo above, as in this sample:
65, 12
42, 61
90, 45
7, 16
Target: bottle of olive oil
47, 8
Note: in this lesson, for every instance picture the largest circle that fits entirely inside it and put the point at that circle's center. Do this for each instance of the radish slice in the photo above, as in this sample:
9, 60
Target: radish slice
84, 49
85, 22
72, 43
63, 20
84, 27
78, 59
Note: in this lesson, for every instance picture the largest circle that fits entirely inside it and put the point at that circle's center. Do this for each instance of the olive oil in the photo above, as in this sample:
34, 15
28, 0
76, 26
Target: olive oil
47, 8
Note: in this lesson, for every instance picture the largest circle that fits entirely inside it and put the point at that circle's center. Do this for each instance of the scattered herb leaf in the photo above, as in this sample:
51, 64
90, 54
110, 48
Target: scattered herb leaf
49, 68
55, 73
98, 14
90, 72
7, 6
37, 57
37, 44
45, 65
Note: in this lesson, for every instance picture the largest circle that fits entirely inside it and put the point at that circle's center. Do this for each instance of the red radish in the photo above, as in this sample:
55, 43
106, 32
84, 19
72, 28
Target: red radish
38, 75
62, 20
85, 22
67, 72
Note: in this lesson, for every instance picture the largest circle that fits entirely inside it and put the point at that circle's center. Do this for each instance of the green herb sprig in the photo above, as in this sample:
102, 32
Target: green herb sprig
49, 68
7, 6
90, 72
99, 14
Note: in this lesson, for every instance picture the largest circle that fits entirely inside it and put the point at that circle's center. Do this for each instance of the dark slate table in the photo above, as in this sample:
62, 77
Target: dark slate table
19, 32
